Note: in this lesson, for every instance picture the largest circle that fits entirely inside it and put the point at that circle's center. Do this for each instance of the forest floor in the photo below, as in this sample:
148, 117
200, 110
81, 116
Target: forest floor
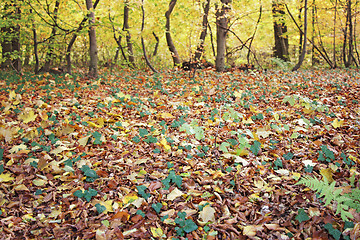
136, 155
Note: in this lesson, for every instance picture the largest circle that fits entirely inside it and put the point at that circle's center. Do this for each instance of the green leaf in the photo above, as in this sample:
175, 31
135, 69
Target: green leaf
2, 168
333, 232
136, 139
141, 190
97, 137
255, 148
143, 132
100, 208
1, 153
88, 194
141, 213
78, 194
157, 207
189, 226
302, 216
288, 156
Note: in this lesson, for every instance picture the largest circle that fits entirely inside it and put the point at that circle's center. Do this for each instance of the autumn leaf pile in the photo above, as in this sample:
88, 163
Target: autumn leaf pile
135, 155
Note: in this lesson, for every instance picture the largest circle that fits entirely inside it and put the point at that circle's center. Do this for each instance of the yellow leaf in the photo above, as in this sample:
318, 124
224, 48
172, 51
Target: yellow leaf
129, 198
107, 204
39, 182
262, 132
167, 115
83, 141
207, 214
251, 230
166, 146
55, 213
28, 116
157, 232
17, 148
327, 174
12, 95
238, 93
94, 125
253, 109
21, 187
337, 123
6, 177
248, 121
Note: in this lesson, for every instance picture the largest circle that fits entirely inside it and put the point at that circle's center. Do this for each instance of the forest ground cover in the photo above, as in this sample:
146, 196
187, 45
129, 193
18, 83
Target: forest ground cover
136, 155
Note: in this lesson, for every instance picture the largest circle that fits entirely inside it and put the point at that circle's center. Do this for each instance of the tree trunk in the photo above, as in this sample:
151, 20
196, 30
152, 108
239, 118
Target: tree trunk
50, 51
200, 49
348, 35
221, 32
92, 39
73, 39
281, 49
11, 51
303, 48
128, 36
170, 43
334, 37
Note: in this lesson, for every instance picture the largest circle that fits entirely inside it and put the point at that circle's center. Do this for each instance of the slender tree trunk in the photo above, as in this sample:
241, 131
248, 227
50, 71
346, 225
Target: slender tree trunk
142, 39
170, 43
303, 51
334, 37
73, 39
50, 52
200, 49
221, 32
128, 35
314, 59
300, 32
348, 36
281, 49
92, 38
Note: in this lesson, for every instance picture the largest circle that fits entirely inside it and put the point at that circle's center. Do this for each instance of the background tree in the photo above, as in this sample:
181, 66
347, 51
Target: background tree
128, 35
93, 72
170, 43
10, 35
303, 47
221, 32
281, 49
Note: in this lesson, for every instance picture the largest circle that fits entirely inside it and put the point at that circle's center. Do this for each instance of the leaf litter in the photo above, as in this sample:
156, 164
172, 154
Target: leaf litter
139, 156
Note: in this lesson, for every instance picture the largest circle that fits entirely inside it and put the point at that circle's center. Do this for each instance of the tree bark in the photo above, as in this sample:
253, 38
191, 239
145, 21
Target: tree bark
170, 43
11, 51
50, 52
303, 48
281, 49
348, 36
221, 32
73, 39
142, 39
92, 39
200, 49
128, 35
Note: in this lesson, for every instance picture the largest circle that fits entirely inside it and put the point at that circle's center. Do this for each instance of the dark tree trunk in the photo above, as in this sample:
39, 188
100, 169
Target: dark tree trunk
221, 32
128, 36
281, 49
303, 48
348, 36
200, 49
11, 47
92, 39
170, 43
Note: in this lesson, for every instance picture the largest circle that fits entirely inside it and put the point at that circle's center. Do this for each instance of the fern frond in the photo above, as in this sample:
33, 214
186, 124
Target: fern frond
331, 194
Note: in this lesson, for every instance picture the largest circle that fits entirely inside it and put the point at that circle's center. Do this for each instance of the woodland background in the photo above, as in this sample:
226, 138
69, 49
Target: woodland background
105, 134
267, 34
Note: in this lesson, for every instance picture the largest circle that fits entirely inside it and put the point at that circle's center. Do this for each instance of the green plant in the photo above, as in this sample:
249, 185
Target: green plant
185, 225
333, 194
90, 174
87, 194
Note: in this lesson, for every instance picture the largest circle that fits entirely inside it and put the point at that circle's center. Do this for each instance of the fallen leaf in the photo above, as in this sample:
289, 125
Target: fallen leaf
207, 214
174, 194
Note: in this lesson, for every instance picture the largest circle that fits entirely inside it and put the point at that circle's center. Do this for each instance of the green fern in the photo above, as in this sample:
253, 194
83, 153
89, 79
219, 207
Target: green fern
332, 194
